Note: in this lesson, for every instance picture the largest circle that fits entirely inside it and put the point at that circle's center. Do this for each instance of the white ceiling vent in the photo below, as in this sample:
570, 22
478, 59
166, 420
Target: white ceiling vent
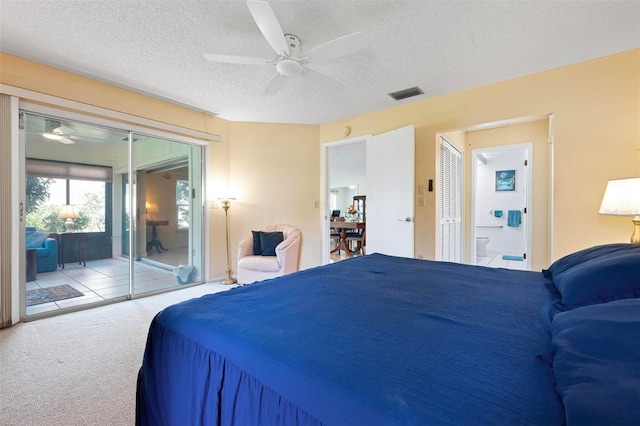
406, 93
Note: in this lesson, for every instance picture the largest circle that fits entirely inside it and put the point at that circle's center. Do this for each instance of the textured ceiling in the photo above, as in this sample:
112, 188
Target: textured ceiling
156, 47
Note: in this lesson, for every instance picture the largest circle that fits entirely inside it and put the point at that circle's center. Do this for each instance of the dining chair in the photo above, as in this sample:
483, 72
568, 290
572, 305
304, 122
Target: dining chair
335, 233
359, 239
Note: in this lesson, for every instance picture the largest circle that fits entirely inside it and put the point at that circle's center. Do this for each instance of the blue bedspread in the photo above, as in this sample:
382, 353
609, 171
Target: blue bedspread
372, 340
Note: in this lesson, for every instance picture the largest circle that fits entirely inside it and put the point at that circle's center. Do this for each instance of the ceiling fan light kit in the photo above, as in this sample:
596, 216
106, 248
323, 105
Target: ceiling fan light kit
290, 62
289, 67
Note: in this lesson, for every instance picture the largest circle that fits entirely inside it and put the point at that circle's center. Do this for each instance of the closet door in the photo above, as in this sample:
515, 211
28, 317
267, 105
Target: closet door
450, 202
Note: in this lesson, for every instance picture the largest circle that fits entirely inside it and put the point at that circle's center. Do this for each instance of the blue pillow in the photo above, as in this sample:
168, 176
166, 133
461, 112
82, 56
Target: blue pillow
597, 275
596, 363
265, 243
269, 241
35, 239
585, 255
256, 243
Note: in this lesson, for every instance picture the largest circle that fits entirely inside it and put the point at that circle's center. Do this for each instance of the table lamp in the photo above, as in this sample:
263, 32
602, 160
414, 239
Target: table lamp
151, 208
622, 198
69, 212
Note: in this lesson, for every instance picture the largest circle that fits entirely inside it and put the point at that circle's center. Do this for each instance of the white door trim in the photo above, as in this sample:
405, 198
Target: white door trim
324, 188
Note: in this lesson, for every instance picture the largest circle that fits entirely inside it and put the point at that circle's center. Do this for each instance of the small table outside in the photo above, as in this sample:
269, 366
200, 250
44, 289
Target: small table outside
343, 226
154, 233
71, 237
32, 265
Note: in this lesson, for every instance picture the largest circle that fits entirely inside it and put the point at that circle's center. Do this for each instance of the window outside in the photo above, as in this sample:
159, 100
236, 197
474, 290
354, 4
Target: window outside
182, 202
46, 196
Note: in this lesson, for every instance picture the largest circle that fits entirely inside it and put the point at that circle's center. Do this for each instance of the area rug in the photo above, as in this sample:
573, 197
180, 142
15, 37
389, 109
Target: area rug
51, 294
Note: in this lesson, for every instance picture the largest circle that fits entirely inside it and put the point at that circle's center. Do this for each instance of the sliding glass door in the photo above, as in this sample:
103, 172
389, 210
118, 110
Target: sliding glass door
169, 226
110, 213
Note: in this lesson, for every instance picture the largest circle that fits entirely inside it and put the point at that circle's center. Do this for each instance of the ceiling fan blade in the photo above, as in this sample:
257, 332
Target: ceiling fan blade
338, 47
269, 25
323, 80
64, 130
230, 59
65, 141
274, 85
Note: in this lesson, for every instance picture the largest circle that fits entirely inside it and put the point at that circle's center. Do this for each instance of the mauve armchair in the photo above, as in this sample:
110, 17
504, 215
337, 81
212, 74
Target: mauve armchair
252, 267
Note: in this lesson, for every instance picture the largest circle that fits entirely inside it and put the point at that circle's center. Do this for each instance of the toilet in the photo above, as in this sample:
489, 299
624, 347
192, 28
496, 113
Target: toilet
481, 246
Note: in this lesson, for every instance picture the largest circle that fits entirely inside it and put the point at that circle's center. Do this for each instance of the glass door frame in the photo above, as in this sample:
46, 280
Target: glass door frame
131, 129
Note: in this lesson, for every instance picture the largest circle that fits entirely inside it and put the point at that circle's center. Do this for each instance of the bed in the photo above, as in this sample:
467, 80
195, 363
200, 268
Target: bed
381, 340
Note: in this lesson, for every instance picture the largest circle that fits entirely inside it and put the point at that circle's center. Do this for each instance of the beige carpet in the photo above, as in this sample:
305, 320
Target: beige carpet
80, 368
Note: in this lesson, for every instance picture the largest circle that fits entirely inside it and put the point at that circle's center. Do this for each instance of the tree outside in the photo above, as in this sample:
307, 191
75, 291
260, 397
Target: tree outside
43, 215
37, 191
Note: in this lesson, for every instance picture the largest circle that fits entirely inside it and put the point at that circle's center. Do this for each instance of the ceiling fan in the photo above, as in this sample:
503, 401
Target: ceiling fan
61, 134
52, 129
290, 62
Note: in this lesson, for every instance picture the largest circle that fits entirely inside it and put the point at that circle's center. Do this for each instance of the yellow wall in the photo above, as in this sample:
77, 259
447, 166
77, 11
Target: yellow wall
276, 167
275, 171
596, 108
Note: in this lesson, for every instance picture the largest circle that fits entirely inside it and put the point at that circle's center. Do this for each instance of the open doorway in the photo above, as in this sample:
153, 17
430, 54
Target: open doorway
536, 131
347, 180
500, 193
389, 192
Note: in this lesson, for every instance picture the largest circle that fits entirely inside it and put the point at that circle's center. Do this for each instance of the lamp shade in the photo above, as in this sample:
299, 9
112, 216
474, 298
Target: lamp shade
152, 207
622, 197
68, 211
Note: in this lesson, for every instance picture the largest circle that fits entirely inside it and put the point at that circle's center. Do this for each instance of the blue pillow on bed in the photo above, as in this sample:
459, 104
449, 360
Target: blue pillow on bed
596, 275
597, 363
585, 255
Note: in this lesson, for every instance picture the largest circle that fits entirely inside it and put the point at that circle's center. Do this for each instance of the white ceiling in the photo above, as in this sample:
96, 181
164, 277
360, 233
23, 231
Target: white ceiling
156, 47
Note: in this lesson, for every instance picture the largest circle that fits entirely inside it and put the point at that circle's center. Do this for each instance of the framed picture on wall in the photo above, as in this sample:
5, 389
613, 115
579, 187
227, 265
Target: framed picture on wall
505, 180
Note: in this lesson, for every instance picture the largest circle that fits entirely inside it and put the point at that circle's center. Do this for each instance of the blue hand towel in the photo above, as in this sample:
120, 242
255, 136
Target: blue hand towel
514, 219
497, 213
509, 257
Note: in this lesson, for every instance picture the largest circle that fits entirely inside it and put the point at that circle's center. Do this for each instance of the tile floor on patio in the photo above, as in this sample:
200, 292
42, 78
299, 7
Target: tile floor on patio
100, 280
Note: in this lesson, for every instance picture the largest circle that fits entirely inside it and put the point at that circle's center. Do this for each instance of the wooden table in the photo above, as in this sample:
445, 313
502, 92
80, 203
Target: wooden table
154, 233
343, 226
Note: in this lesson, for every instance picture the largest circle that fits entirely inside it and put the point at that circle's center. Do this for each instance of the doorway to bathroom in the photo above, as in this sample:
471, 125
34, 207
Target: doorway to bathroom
500, 206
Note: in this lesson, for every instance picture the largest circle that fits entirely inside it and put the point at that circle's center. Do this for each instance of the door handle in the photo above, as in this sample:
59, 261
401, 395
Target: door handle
406, 219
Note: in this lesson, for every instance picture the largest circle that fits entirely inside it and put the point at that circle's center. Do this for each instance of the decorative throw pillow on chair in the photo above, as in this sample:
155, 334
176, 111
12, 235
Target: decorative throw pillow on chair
36, 239
265, 243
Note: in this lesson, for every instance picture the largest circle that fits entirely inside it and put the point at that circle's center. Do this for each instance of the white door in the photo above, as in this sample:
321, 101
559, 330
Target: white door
390, 189
450, 202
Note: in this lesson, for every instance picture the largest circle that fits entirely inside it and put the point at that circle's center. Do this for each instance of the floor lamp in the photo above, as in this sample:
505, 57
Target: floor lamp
225, 206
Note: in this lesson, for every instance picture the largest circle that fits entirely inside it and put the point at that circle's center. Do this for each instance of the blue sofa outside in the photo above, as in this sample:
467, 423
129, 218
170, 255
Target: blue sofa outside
46, 249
